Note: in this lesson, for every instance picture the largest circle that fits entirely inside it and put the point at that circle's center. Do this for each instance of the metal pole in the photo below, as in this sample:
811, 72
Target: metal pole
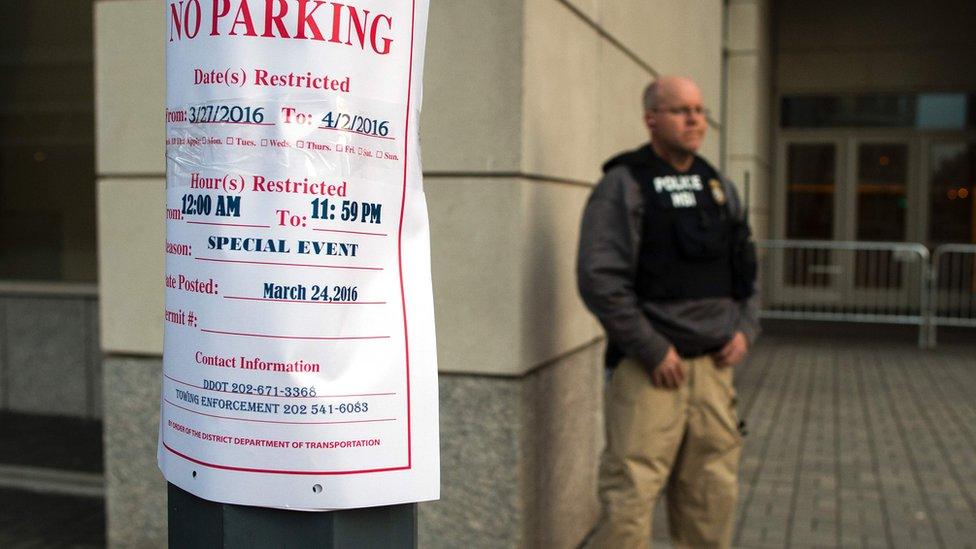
196, 523
933, 287
925, 307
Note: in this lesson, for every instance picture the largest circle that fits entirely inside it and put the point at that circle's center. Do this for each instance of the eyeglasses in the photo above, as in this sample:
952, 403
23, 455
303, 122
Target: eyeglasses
685, 111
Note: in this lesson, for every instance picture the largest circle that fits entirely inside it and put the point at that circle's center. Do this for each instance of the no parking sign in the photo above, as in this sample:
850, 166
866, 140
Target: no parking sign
299, 365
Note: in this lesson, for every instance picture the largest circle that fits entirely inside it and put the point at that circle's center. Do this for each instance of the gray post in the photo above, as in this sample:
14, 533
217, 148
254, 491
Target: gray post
931, 301
196, 523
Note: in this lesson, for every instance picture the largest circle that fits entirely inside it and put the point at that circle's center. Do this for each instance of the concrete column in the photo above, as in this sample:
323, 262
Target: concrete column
749, 78
129, 103
523, 100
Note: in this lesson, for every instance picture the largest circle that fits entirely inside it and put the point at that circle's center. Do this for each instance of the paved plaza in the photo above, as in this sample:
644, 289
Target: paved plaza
856, 441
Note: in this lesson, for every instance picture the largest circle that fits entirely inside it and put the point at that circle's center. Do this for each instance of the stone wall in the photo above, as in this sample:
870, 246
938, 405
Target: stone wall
749, 106
135, 491
50, 361
518, 456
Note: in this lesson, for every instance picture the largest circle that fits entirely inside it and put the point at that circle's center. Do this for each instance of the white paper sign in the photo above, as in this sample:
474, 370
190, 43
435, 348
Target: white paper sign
299, 363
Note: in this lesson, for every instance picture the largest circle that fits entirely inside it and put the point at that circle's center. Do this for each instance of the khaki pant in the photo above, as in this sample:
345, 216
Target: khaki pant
684, 439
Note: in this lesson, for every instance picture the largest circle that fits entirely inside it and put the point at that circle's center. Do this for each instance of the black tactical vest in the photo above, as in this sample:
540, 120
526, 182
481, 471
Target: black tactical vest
686, 243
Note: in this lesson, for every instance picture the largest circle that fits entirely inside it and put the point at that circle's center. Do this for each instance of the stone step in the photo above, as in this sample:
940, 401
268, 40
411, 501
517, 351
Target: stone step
52, 481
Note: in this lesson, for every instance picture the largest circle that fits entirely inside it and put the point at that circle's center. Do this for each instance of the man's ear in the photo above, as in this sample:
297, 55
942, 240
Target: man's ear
649, 120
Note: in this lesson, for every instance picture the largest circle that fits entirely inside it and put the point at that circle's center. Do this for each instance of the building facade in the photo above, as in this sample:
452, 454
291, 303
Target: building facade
839, 120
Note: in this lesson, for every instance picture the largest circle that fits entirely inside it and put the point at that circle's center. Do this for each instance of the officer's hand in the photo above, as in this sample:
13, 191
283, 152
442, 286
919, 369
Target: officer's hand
668, 374
733, 352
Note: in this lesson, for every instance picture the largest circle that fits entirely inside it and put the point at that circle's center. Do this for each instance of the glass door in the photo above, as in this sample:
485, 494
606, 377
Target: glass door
952, 184
811, 170
851, 187
881, 201
951, 173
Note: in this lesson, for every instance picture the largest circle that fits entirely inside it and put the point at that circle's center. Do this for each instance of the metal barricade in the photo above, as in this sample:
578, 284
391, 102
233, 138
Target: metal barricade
870, 282
953, 288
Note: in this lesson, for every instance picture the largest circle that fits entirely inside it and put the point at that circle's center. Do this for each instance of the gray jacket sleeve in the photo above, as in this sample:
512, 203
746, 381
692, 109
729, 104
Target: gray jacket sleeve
606, 272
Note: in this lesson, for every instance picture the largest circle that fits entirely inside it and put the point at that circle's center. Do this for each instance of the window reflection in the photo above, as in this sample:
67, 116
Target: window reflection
951, 187
47, 153
923, 111
810, 185
882, 203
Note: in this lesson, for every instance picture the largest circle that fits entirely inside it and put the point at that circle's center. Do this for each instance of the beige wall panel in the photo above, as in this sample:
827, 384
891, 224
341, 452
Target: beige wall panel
591, 8
129, 56
554, 318
760, 200
766, 102
759, 177
577, 79
743, 119
503, 259
560, 121
673, 37
749, 80
759, 220
761, 228
473, 86
621, 118
711, 148
746, 28
476, 261
131, 238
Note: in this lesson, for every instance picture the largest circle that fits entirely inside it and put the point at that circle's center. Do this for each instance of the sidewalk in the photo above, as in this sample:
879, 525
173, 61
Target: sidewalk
852, 442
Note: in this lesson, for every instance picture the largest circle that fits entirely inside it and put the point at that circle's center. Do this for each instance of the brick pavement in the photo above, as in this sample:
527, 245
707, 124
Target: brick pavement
856, 442
853, 442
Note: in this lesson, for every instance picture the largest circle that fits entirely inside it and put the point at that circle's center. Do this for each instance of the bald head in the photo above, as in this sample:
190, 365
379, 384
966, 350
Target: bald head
675, 117
668, 87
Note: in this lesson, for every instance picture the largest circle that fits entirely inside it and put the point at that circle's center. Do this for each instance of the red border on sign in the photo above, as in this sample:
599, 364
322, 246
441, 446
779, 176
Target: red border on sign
403, 302
277, 471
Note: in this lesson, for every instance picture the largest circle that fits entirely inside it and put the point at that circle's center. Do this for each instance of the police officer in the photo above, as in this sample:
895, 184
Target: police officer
666, 264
